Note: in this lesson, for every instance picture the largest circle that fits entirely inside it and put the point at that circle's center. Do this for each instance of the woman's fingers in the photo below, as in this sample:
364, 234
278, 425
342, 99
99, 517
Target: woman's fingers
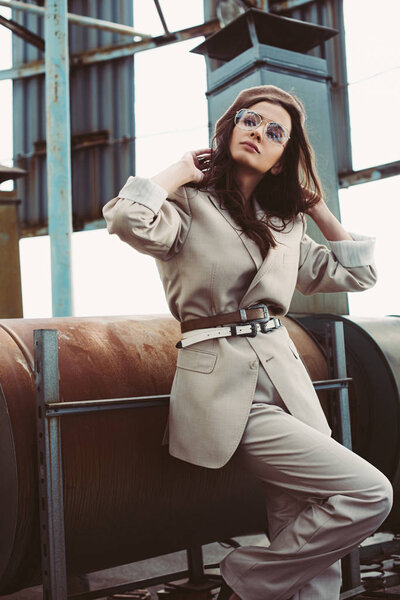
206, 153
202, 155
196, 156
199, 161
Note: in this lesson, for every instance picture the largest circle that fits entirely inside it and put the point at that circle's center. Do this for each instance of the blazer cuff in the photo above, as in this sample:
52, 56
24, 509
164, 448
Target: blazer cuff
144, 191
356, 253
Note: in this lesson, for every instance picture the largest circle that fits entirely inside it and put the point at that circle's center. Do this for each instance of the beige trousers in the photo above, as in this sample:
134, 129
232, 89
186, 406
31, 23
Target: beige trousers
322, 501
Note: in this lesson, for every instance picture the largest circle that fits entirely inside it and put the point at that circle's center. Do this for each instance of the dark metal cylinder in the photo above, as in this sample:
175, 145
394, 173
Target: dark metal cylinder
373, 363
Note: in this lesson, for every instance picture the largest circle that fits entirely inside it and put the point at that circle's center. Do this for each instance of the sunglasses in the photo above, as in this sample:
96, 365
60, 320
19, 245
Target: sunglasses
249, 120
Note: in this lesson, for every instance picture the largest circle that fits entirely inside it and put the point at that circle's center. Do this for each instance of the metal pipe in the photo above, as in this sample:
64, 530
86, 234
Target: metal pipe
375, 173
88, 406
58, 139
332, 384
78, 19
23, 32
161, 15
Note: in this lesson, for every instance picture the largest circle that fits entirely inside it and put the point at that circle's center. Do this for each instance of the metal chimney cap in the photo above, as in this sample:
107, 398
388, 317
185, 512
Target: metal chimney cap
7, 173
271, 30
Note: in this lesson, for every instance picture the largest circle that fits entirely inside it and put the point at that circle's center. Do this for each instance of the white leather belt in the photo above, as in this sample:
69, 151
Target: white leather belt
249, 330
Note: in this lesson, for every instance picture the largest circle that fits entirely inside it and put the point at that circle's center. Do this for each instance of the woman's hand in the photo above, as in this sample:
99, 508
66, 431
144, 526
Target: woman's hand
190, 167
197, 162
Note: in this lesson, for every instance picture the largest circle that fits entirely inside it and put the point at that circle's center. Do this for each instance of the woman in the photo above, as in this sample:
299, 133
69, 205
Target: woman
231, 240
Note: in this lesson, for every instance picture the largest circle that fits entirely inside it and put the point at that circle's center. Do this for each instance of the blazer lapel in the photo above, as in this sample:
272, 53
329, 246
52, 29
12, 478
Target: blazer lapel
258, 276
249, 244
284, 241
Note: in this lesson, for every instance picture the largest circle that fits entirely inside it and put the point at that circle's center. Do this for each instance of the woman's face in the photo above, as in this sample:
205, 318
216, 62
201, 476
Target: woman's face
251, 149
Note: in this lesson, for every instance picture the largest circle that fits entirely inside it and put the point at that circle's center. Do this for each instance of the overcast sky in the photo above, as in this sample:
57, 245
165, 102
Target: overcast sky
109, 277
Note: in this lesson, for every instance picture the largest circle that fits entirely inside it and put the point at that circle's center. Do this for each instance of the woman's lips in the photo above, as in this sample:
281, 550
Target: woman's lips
250, 146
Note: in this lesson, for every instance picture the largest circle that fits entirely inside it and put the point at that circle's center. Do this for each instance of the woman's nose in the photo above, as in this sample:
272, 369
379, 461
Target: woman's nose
257, 133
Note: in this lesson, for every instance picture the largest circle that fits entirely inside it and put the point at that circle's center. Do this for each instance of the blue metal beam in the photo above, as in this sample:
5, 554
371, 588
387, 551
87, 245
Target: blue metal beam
58, 142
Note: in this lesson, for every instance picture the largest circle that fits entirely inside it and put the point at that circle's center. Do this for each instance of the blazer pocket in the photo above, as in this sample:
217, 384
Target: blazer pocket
196, 360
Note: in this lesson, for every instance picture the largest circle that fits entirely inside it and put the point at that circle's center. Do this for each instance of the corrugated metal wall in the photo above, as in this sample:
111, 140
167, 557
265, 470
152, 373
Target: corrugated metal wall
102, 118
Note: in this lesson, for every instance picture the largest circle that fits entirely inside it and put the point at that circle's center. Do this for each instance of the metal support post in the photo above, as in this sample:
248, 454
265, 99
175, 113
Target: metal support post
58, 143
335, 333
195, 564
54, 574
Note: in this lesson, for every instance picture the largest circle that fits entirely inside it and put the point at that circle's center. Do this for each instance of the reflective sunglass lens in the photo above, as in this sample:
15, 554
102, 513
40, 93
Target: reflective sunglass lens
275, 133
247, 119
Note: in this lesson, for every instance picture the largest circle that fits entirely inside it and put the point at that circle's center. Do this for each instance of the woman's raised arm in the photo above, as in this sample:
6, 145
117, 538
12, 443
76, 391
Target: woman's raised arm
190, 167
328, 224
153, 215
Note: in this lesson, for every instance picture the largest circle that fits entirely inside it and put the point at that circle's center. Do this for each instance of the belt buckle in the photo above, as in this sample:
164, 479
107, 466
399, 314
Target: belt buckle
255, 323
266, 316
243, 313
251, 333
265, 329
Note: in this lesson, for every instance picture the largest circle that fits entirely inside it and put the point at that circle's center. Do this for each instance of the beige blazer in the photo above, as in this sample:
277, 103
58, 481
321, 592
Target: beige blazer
208, 267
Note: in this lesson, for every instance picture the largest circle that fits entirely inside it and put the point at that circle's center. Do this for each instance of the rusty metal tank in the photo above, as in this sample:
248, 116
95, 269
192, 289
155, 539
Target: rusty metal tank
126, 498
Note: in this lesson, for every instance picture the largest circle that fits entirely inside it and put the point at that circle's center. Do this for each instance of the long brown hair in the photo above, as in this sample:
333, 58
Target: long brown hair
295, 189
